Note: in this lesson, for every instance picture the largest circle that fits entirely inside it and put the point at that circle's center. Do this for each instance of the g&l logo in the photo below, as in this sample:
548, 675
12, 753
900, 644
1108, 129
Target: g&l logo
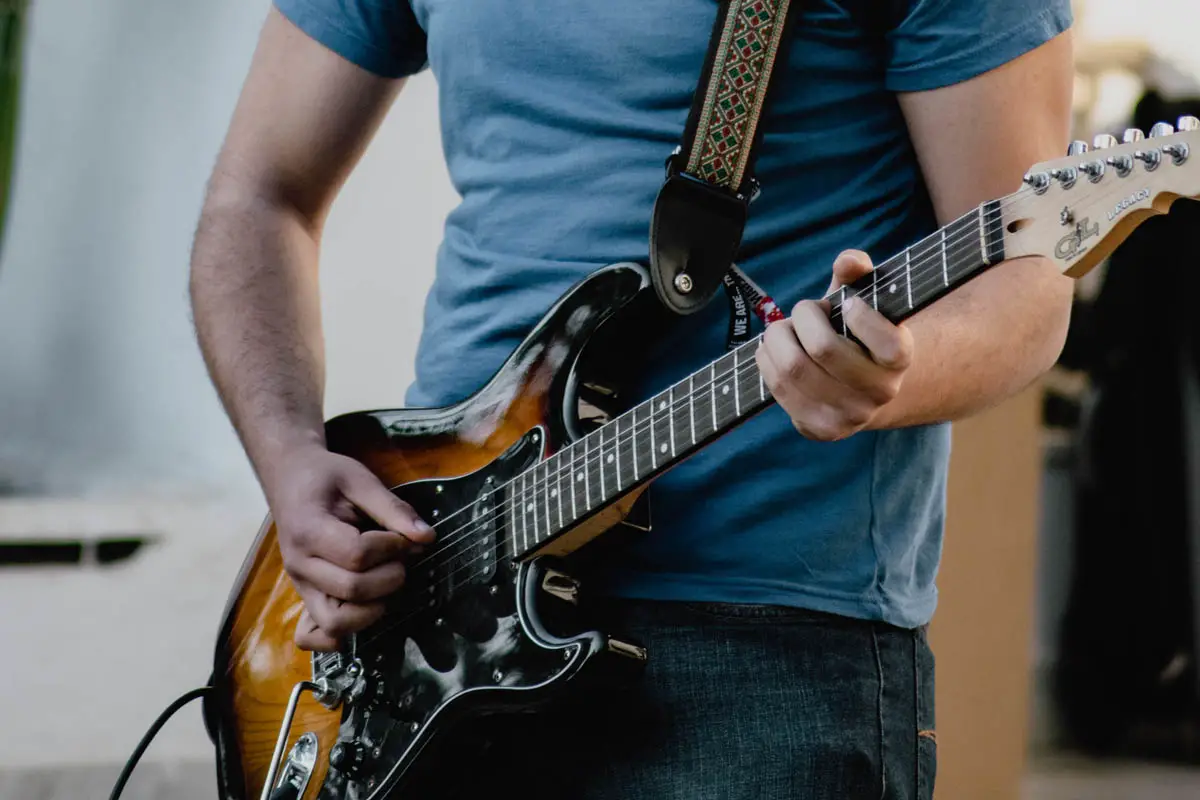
1071, 245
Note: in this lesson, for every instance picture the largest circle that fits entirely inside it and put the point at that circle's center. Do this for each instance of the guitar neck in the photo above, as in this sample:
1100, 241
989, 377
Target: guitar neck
633, 449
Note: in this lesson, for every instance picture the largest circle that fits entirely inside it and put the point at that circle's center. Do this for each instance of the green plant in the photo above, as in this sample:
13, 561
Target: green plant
12, 40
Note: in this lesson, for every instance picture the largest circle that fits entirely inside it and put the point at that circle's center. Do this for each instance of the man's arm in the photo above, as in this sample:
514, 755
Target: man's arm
304, 117
981, 343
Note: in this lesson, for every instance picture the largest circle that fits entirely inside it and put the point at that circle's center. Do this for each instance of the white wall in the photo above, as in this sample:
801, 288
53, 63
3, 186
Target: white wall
101, 386
103, 394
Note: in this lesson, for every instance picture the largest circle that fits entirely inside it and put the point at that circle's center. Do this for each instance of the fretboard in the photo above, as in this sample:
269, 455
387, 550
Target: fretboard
645, 441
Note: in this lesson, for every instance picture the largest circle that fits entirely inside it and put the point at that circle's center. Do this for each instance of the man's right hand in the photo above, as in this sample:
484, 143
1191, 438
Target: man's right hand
342, 535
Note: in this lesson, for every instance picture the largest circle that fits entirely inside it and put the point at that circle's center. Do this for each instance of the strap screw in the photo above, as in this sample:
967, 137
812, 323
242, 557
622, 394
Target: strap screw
683, 282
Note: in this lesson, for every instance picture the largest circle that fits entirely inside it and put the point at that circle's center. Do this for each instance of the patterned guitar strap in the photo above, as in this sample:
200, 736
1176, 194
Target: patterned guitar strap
700, 214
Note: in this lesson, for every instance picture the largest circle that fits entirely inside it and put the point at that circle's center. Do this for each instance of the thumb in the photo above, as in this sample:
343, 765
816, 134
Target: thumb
849, 266
369, 495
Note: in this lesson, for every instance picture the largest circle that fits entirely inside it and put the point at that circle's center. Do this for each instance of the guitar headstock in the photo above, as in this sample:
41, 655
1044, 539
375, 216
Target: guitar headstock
1076, 210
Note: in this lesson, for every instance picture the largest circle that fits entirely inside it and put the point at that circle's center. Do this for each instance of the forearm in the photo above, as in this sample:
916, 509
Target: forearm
257, 314
982, 343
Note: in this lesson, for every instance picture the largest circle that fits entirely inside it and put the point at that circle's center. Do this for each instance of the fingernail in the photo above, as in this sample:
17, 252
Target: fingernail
422, 526
849, 303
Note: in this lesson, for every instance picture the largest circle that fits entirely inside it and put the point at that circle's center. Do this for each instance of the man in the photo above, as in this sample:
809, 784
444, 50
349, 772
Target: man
784, 590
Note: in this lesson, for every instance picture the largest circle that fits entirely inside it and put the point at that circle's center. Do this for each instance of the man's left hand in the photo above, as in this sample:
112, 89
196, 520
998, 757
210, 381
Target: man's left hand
827, 384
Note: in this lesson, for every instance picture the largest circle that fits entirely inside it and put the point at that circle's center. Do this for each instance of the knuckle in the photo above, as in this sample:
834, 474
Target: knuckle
792, 368
358, 558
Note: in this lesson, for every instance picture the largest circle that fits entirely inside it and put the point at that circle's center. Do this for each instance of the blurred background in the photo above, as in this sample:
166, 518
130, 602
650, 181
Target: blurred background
1068, 627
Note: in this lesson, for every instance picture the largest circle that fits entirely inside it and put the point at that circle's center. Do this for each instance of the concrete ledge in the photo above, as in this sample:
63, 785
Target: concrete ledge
150, 781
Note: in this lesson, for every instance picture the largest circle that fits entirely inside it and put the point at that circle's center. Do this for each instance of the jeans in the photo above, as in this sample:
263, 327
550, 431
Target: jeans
738, 702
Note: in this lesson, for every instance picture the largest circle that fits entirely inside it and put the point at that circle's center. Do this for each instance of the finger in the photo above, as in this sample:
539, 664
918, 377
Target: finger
849, 266
354, 550
309, 635
840, 358
366, 492
351, 587
798, 383
890, 346
335, 618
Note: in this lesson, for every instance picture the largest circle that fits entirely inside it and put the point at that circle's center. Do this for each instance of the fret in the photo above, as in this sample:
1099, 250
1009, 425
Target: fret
702, 403
737, 392
566, 473
531, 509
553, 467
691, 395
626, 469
636, 437
521, 501
610, 481
842, 306
653, 448
513, 505
671, 417
908, 275
585, 469
712, 394
661, 427
945, 270
724, 406
543, 489
983, 239
681, 408
751, 393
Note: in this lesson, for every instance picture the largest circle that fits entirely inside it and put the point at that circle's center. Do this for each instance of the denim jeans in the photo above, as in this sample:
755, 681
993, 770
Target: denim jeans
738, 702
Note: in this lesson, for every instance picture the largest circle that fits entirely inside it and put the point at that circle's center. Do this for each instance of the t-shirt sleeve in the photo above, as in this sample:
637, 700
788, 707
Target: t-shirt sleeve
381, 36
937, 43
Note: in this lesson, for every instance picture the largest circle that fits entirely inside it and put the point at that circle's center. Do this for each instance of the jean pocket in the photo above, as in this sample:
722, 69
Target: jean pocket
927, 746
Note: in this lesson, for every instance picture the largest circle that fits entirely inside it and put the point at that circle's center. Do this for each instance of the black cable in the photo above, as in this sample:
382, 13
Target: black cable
149, 737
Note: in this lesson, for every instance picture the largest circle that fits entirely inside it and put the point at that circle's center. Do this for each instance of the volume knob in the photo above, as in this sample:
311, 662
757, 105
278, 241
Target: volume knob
346, 758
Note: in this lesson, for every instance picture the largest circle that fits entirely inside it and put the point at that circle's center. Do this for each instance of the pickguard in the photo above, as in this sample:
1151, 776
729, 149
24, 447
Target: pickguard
459, 640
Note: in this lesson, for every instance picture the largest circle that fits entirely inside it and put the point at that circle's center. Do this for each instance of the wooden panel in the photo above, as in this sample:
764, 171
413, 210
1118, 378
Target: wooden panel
982, 631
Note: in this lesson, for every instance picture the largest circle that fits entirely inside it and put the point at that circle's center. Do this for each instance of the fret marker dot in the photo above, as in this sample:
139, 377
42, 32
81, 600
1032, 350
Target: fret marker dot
662, 406
529, 507
578, 476
893, 288
554, 492
610, 458
662, 448
725, 389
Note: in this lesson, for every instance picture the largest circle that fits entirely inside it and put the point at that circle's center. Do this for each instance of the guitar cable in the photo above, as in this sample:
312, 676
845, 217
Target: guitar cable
138, 752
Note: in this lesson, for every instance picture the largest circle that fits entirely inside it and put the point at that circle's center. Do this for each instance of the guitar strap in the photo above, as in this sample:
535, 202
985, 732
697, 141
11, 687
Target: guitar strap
700, 213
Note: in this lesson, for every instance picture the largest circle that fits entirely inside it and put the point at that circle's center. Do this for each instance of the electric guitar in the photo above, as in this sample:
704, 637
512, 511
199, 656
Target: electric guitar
516, 480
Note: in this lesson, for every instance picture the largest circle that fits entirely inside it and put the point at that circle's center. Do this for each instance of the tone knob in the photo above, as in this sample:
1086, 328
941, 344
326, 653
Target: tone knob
346, 757
1133, 135
1161, 129
1188, 124
1077, 148
1104, 141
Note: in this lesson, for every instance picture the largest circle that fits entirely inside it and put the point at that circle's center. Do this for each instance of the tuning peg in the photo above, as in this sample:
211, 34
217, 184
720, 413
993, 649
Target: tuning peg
1077, 148
1178, 152
1104, 141
1188, 124
1133, 135
1161, 129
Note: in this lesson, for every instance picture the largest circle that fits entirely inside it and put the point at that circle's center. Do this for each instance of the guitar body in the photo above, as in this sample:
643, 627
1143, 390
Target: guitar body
487, 633
525, 472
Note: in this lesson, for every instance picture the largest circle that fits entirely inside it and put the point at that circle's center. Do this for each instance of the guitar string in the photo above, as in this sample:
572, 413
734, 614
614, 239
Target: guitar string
925, 278
964, 242
389, 622
540, 491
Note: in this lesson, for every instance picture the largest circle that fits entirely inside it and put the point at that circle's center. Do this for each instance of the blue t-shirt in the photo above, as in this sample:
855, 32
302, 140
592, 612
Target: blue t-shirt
556, 119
